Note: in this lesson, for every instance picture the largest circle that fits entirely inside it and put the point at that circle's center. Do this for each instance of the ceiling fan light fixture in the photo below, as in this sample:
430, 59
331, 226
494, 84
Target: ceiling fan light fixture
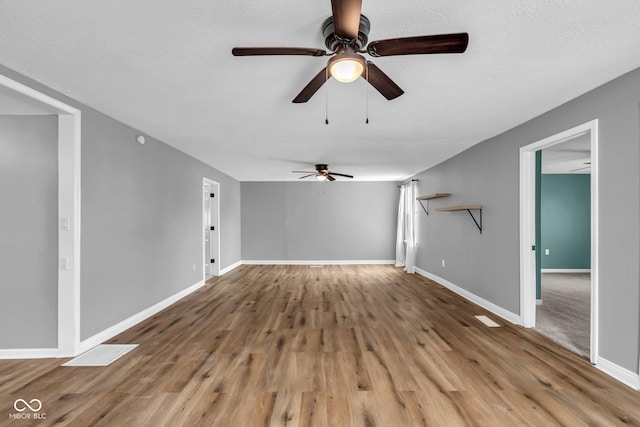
346, 67
321, 177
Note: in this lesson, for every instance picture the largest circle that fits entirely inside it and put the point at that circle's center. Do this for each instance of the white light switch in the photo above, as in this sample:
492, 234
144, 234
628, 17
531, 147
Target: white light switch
546, 251
64, 264
64, 223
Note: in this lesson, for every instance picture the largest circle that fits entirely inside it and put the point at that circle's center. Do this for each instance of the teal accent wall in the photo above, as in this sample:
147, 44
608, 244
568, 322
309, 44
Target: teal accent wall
565, 220
538, 227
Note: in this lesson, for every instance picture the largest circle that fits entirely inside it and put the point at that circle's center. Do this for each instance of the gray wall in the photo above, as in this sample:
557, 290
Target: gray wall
290, 221
141, 219
28, 232
142, 222
488, 174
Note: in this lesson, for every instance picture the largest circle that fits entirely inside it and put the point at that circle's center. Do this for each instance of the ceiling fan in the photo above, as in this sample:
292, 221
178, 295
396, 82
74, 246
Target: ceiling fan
582, 168
322, 173
345, 35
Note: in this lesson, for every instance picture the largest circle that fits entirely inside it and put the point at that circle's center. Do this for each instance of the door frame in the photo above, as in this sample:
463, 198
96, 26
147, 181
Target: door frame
216, 206
527, 227
69, 143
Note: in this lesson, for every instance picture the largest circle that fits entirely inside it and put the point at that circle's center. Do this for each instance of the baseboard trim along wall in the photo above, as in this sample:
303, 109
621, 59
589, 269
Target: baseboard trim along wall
230, 267
29, 353
488, 305
565, 270
114, 330
317, 262
621, 374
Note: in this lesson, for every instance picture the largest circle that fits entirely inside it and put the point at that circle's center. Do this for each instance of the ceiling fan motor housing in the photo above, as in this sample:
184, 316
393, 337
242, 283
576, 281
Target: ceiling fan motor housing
334, 42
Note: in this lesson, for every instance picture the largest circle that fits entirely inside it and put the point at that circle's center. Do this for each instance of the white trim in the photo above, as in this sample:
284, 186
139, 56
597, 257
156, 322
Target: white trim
527, 226
216, 184
230, 267
565, 270
69, 194
527, 237
69, 166
488, 305
29, 353
317, 262
595, 239
38, 96
120, 327
621, 374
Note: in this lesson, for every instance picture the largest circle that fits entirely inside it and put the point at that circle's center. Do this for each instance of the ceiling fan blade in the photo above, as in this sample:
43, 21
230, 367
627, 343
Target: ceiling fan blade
259, 51
312, 87
330, 178
382, 82
346, 17
442, 43
306, 176
341, 174
302, 172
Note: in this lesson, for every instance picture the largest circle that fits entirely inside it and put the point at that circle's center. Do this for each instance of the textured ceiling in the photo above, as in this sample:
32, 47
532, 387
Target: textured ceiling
165, 68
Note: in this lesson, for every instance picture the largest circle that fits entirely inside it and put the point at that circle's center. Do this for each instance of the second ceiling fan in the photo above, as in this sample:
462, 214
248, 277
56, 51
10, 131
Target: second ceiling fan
346, 34
323, 173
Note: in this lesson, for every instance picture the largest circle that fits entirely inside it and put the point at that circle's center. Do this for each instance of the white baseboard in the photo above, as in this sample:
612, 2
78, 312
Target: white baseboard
29, 353
230, 267
114, 330
317, 262
565, 270
621, 374
488, 305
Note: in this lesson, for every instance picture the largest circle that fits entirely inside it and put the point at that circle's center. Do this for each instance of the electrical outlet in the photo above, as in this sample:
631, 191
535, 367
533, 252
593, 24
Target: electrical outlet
63, 264
546, 251
443, 263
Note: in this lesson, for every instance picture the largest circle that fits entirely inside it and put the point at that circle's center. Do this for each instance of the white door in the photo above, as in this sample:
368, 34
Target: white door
210, 222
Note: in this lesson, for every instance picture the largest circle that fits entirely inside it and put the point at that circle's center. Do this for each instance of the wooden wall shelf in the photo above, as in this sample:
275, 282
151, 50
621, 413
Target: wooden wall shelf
430, 197
467, 208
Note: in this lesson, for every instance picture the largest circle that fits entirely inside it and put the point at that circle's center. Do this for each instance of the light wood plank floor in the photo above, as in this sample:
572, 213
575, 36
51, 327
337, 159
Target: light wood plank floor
330, 346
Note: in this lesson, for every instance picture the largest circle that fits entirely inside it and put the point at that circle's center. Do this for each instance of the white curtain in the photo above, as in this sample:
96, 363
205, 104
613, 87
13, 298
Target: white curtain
406, 235
400, 252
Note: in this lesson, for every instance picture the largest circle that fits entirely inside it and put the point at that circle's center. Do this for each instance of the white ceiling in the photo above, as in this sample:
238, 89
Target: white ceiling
165, 67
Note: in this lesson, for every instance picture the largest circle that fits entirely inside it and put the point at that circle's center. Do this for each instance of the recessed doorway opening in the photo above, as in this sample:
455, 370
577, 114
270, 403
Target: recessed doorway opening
528, 248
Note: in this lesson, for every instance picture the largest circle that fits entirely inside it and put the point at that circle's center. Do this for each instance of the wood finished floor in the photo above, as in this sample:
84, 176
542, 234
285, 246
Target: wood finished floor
330, 346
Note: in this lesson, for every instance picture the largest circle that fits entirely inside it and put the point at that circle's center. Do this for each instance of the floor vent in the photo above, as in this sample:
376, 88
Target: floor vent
102, 355
487, 321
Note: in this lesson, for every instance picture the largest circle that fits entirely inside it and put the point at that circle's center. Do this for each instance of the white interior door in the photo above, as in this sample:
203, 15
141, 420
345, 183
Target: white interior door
210, 221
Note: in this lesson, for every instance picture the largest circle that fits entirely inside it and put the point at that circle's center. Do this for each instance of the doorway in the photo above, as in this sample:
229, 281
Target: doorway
25, 100
563, 310
211, 228
528, 226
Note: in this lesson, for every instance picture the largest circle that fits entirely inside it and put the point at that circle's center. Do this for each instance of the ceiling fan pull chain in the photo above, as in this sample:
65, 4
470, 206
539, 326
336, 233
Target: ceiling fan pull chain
367, 89
326, 99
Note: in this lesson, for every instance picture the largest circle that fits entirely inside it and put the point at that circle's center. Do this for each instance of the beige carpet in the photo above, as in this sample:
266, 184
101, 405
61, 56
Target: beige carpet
565, 313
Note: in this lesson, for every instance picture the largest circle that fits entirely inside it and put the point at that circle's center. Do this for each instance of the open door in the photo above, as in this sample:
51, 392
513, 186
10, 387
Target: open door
211, 226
